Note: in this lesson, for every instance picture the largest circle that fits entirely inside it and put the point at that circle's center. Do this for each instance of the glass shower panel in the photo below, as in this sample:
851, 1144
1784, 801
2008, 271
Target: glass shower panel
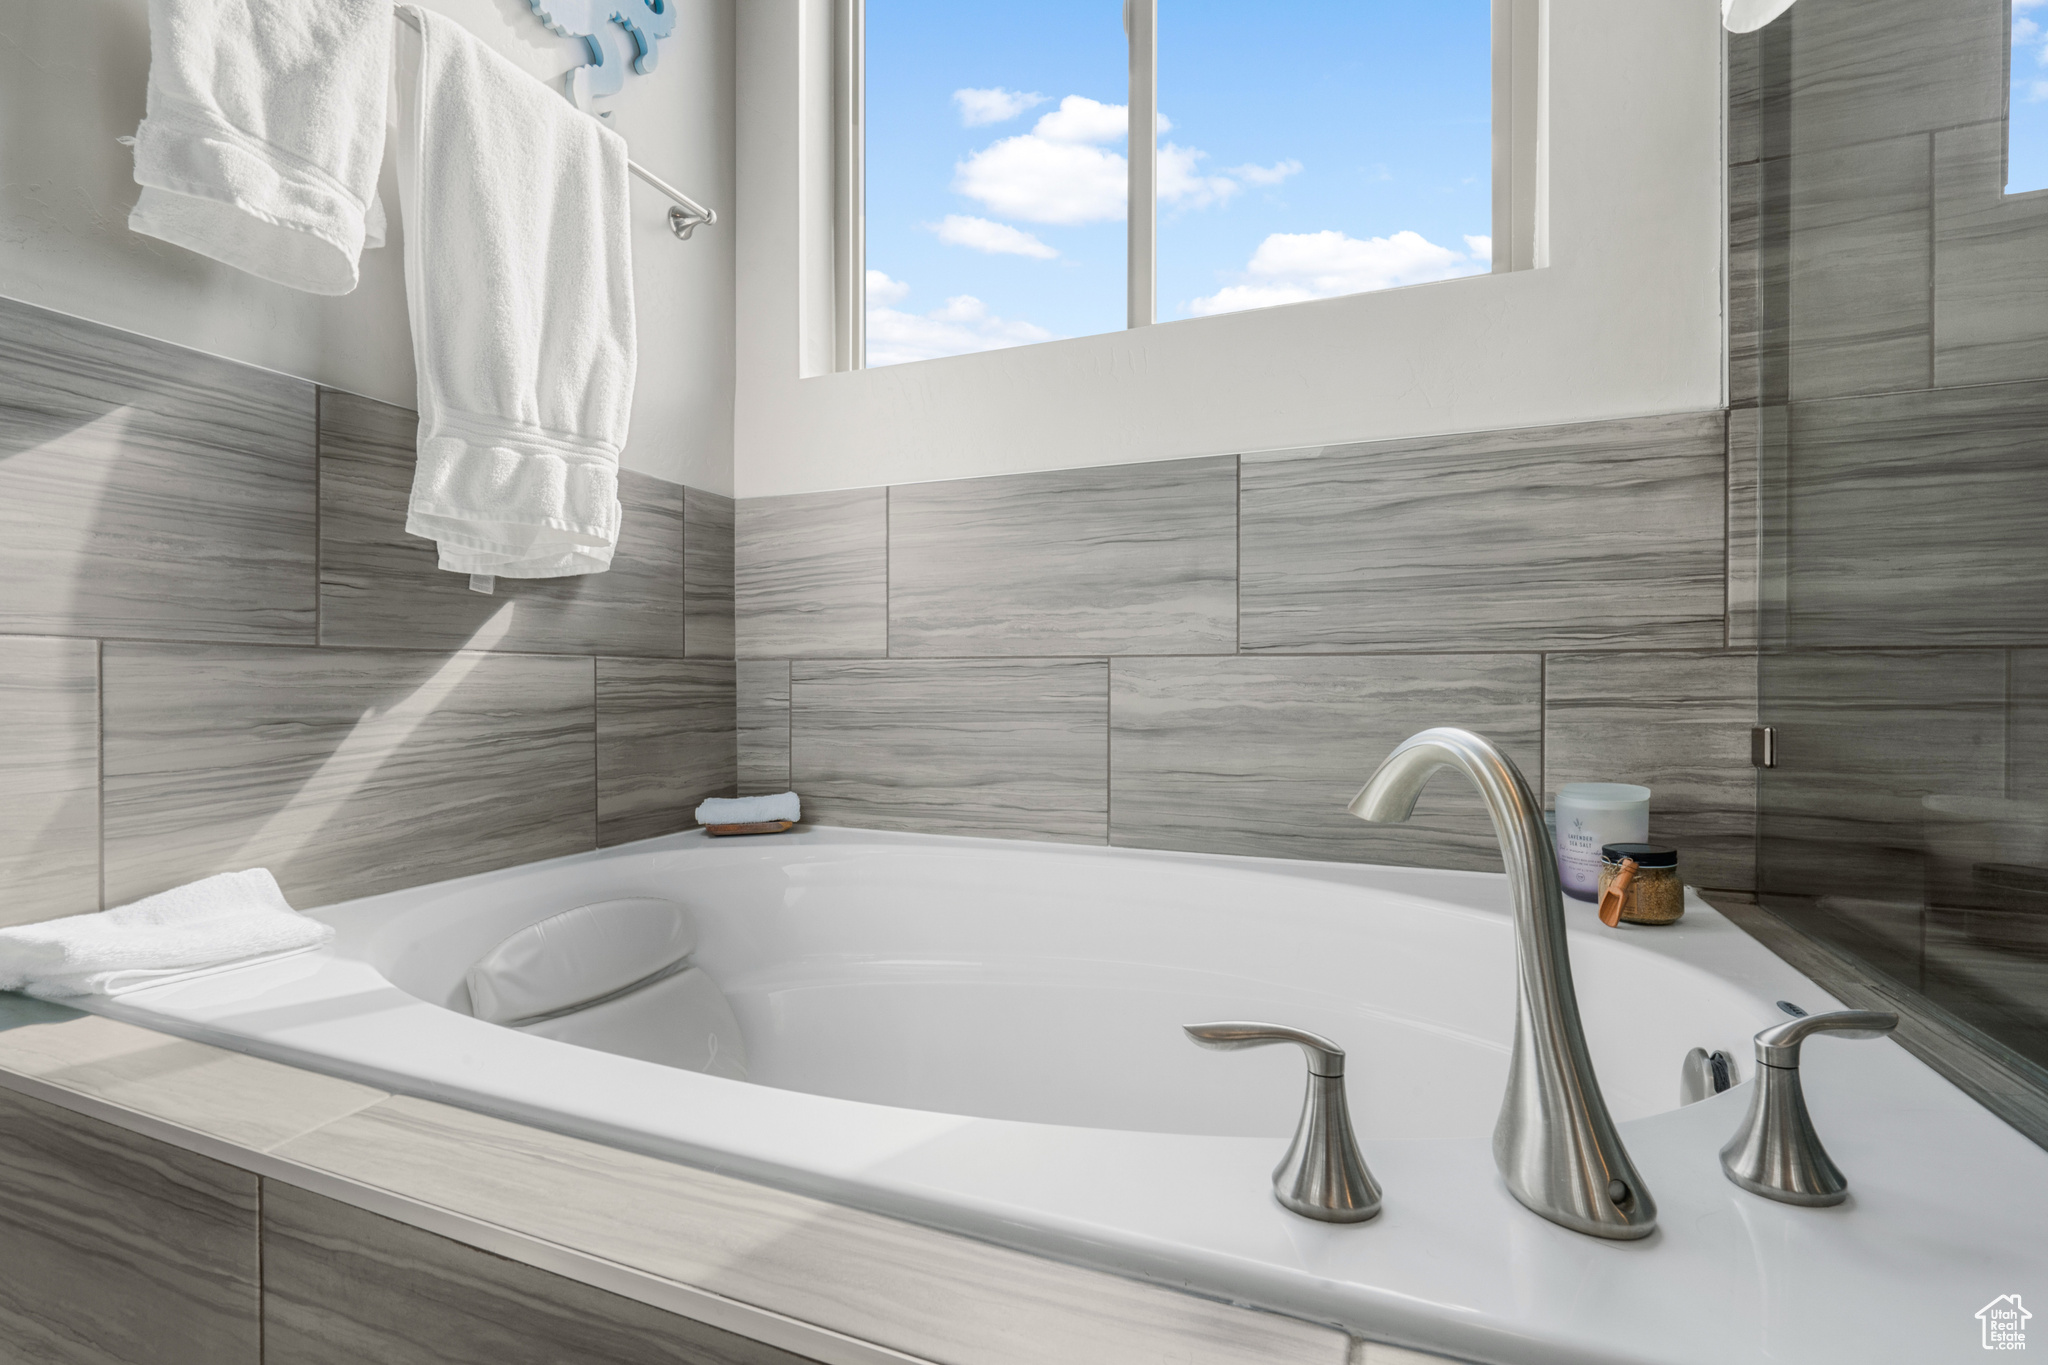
1904, 493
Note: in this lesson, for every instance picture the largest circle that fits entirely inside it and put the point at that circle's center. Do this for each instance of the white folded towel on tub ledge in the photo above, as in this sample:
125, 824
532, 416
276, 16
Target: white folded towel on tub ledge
230, 920
519, 282
749, 810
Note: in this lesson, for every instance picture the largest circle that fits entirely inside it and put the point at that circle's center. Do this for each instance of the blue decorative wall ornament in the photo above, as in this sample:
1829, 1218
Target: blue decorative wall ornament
615, 31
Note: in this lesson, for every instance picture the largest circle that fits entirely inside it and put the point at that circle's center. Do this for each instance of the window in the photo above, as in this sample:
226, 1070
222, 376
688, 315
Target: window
1302, 150
995, 174
2026, 127
1321, 147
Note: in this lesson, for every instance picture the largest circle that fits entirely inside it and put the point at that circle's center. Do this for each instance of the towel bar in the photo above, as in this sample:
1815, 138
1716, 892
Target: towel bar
685, 218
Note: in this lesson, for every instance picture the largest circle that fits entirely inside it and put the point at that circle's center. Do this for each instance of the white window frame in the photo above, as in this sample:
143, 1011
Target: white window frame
1517, 160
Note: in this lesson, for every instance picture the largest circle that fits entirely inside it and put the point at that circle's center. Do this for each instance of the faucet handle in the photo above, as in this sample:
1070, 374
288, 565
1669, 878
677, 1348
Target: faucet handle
1779, 1044
1325, 1058
1776, 1152
1323, 1176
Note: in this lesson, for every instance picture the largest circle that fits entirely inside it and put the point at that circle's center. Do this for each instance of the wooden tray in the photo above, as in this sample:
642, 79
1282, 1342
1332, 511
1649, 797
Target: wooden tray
751, 827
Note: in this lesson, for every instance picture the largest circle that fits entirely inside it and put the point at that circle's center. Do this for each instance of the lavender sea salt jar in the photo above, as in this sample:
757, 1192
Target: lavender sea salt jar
1590, 814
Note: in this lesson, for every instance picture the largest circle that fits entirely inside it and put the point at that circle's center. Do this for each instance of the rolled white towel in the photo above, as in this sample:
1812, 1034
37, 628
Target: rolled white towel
230, 920
749, 810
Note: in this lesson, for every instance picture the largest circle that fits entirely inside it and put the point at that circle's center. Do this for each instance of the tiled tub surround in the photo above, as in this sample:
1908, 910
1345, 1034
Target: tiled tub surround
219, 649
1893, 304
1212, 654
140, 1174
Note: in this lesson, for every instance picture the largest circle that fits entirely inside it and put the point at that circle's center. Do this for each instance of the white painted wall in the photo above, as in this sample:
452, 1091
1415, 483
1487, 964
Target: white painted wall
72, 78
1625, 320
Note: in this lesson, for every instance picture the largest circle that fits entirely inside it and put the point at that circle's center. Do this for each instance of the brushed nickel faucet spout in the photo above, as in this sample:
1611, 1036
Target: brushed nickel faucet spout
1555, 1143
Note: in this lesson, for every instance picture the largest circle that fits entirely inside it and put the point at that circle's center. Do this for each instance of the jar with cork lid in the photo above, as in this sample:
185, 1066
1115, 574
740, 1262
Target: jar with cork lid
1639, 885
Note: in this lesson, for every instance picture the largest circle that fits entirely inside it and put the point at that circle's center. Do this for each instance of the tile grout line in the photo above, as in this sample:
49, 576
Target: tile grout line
1108, 753
319, 537
438, 652
99, 688
376, 1098
1379, 652
1727, 532
596, 822
683, 574
888, 568
262, 1318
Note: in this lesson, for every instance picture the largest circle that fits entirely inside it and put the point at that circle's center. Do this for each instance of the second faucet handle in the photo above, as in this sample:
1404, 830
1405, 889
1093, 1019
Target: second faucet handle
1776, 1153
1323, 1176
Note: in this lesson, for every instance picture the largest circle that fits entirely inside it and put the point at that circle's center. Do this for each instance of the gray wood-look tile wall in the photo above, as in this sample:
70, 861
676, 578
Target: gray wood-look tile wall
116, 1248
1212, 654
1618, 539
344, 771
342, 1287
150, 492
811, 575
380, 587
1259, 754
50, 795
763, 711
119, 1249
219, 649
1898, 320
665, 740
953, 746
1127, 559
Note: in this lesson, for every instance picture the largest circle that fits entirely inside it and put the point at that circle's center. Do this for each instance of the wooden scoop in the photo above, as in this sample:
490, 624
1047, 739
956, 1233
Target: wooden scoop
1616, 893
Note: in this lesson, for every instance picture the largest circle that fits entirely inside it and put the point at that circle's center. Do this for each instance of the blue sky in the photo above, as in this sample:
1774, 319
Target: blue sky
1314, 147
2027, 133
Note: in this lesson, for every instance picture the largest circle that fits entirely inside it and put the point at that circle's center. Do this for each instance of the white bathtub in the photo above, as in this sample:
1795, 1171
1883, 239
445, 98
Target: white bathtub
985, 1036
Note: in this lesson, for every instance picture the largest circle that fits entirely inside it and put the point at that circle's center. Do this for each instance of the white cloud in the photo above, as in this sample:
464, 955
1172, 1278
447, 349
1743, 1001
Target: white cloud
961, 308
1236, 298
1290, 267
1054, 173
2026, 35
1061, 171
979, 107
964, 325
883, 290
1181, 185
1266, 175
1480, 249
1000, 239
1080, 119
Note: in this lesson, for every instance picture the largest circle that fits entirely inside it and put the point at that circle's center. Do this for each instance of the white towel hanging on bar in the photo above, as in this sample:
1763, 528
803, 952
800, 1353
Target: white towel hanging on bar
264, 132
519, 282
686, 217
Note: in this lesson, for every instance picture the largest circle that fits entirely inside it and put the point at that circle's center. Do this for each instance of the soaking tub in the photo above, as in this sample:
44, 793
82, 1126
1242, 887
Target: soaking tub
985, 1036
